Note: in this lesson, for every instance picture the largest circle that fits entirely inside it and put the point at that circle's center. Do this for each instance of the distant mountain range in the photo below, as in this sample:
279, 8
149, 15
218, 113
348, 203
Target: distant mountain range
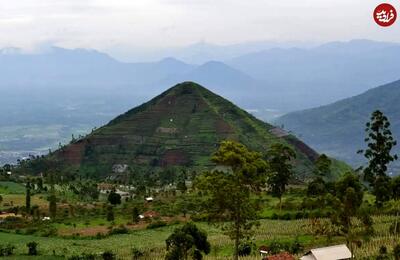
202, 52
70, 91
338, 129
324, 74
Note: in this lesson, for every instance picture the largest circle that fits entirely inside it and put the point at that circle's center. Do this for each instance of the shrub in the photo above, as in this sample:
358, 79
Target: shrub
245, 249
108, 255
47, 232
396, 252
199, 217
119, 230
383, 254
295, 247
286, 216
157, 224
6, 250
32, 248
275, 216
83, 257
136, 253
275, 247
185, 239
100, 235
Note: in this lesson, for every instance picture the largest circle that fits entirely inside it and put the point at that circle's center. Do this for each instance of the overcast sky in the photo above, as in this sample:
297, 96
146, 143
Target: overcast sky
148, 24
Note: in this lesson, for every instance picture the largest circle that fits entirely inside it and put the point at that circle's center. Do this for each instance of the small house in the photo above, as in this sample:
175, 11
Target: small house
105, 187
337, 252
4, 215
149, 199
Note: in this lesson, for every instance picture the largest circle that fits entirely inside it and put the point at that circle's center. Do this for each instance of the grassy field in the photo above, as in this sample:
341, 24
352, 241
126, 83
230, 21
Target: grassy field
8, 187
152, 242
19, 200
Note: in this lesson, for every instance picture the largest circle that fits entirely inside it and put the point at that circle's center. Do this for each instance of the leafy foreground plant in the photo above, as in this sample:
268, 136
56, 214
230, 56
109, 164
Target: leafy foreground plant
187, 241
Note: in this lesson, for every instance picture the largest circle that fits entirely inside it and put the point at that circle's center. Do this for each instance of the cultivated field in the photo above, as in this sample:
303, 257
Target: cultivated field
152, 242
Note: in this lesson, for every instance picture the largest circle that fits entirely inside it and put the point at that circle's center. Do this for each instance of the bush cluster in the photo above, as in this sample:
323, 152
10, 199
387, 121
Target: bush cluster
119, 230
301, 215
6, 250
157, 224
293, 247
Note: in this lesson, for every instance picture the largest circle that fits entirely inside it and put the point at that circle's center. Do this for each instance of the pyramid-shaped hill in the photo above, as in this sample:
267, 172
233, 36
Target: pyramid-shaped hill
182, 126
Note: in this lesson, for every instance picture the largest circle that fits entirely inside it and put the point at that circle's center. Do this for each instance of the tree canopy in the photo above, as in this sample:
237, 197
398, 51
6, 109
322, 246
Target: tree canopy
279, 159
229, 192
187, 241
380, 143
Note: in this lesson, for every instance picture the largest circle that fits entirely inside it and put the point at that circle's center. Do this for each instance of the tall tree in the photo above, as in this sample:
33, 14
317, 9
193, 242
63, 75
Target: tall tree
135, 215
52, 202
53, 205
323, 166
114, 198
395, 184
349, 191
110, 213
28, 197
395, 187
228, 192
39, 182
380, 143
279, 159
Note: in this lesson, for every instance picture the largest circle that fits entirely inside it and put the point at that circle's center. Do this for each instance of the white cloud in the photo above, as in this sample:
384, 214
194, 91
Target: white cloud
104, 24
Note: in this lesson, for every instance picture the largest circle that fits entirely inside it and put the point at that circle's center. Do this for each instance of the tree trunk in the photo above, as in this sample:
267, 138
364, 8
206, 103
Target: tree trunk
280, 205
237, 235
395, 225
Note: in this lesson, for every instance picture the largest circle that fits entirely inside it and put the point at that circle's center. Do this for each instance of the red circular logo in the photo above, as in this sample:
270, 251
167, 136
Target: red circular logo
385, 15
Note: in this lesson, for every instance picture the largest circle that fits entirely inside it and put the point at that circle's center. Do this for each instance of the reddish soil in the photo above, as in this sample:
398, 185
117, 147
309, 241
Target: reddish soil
282, 256
174, 157
89, 231
93, 231
308, 151
73, 153
223, 128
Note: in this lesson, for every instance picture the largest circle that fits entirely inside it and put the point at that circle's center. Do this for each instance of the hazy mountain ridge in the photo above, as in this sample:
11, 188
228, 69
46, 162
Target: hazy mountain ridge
323, 74
338, 128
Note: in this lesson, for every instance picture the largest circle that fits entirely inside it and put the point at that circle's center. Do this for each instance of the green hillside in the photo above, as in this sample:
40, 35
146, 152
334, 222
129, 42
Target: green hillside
338, 129
182, 126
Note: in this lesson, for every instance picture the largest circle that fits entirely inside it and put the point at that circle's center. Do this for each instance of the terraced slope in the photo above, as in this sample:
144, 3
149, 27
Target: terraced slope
182, 126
